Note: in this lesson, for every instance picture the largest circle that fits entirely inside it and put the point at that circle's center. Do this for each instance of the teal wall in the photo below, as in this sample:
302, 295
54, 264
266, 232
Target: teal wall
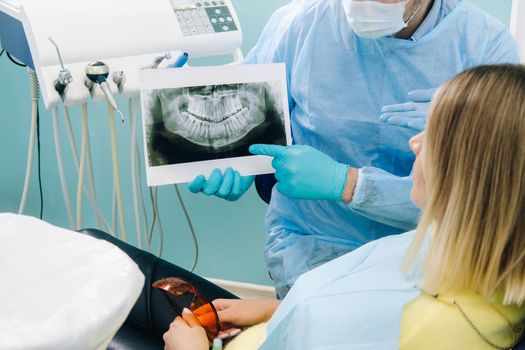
499, 9
231, 235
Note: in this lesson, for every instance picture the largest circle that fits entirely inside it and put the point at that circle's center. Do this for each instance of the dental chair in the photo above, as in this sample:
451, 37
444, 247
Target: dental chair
152, 313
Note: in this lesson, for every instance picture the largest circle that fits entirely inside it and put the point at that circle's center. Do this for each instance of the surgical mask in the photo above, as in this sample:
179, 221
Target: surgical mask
373, 19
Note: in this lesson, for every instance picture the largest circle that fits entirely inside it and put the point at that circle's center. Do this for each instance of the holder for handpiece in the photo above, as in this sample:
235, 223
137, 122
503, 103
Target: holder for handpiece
119, 78
158, 60
98, 73
64, 76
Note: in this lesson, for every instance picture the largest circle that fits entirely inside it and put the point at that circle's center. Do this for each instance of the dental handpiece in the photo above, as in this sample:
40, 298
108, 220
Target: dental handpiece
98, 72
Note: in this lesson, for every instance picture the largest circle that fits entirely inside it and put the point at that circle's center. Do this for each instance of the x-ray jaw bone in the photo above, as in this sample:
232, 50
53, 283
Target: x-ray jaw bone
215, 116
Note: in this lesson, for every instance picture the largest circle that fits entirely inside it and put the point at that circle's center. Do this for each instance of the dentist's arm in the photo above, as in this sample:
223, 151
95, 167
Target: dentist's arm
384, 197
303, 172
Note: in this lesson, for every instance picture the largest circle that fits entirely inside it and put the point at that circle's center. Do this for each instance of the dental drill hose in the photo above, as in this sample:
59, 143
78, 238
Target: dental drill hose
35, 94
116, 176
35, 88
190, 226
161, 230
134, 180
61, 175
139, 167
114, 214
156, 220
91, 194
82, 166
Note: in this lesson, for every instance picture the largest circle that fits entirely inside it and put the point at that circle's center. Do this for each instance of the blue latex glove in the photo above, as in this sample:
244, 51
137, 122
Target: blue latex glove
411, 114
303, 172
230, 186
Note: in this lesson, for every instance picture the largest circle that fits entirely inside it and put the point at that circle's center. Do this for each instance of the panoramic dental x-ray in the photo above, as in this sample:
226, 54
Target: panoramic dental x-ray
212, 122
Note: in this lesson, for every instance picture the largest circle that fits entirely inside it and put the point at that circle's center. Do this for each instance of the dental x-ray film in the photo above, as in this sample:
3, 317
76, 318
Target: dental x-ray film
199, 119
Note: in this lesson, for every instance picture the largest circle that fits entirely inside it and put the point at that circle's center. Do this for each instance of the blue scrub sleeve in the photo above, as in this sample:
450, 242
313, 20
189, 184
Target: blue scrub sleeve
383, 197
502, 49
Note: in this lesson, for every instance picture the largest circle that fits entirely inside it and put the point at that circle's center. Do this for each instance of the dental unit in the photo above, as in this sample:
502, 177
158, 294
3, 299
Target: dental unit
82, 50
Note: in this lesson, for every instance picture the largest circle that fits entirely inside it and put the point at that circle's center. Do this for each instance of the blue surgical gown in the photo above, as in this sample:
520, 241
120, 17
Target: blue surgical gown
353, 302
338, 83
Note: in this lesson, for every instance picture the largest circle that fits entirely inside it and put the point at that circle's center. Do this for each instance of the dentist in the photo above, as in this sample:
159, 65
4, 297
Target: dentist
361, 74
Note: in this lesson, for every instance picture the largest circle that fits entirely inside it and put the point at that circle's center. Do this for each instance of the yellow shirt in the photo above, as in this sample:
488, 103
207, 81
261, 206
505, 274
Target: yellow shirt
434, 324
250, 339
437, 324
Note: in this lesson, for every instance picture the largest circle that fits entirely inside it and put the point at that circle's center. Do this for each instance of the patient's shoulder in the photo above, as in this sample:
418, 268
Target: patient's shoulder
249, 339
440, 322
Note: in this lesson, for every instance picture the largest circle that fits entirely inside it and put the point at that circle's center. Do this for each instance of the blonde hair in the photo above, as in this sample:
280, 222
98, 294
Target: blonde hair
475, 178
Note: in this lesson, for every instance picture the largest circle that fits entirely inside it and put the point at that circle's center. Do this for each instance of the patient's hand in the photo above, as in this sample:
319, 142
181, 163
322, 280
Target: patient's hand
244, 313
186, 333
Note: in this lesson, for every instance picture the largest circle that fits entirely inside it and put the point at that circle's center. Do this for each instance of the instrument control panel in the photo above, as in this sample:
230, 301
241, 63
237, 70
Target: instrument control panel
204, 17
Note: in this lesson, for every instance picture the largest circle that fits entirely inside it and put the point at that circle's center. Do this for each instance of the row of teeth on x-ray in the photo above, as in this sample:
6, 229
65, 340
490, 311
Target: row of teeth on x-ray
216, 110
221, 118
228, 126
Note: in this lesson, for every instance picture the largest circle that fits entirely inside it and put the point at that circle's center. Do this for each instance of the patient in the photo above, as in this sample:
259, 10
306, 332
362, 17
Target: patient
457, 282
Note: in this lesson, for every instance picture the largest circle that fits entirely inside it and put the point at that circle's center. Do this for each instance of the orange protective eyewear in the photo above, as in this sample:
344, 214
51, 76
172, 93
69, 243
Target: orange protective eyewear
181, 294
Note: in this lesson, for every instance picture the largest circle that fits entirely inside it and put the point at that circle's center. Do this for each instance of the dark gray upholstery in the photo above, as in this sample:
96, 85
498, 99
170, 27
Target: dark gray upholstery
152, 314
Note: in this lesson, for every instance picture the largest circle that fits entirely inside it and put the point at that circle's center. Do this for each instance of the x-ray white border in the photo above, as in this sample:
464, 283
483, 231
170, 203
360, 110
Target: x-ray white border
151, 79
517, 24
